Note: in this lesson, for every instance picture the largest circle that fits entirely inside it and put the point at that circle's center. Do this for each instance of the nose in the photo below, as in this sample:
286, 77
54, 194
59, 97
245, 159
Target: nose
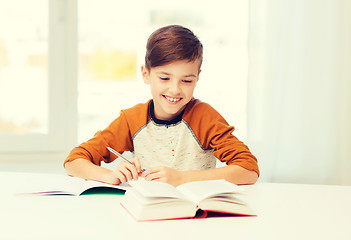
174, 87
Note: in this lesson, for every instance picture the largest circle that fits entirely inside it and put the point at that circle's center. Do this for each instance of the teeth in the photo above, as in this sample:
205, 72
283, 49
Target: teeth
172, 99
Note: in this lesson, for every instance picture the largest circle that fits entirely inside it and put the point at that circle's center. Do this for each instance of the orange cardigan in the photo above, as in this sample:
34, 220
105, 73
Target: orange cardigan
193, 143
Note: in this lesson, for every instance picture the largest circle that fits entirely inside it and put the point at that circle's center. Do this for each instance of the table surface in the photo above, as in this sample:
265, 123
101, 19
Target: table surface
284, 211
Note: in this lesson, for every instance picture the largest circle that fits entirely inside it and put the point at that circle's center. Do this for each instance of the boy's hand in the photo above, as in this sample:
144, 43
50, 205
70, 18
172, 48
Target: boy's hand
163, 174
125, 172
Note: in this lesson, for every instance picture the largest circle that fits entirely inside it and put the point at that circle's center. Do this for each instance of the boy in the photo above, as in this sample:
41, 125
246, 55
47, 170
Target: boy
175, 137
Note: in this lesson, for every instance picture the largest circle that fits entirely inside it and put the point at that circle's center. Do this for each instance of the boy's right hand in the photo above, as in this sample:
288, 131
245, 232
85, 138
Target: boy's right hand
125, 172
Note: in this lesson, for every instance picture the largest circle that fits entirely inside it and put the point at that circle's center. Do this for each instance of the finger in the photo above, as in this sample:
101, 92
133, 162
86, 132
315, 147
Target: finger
152, 170
161, 179
129, 170
153, 176
127, 173
137, 164
120, 176
149, 171
121, 172
133, 170
114, 179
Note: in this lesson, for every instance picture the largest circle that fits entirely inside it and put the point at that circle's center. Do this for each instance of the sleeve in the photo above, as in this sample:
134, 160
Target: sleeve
213, 132
117, 136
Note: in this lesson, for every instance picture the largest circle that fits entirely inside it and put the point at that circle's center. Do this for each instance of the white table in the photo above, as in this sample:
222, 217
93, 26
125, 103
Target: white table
285, 211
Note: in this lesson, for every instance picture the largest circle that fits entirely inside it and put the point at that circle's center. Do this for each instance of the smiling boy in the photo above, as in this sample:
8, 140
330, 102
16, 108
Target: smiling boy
174, 136
172, 87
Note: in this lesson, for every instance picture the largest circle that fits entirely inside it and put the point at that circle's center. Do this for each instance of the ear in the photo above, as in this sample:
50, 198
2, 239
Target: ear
145, 74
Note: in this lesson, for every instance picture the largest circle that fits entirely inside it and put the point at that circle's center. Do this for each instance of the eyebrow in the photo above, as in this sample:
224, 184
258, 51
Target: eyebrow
190, 75
168, 74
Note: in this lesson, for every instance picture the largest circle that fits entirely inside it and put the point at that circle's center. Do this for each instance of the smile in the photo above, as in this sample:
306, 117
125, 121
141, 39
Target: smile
172, 99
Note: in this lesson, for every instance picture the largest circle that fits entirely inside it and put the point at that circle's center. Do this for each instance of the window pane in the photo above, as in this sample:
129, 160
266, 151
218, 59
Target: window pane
23, 67
112, 46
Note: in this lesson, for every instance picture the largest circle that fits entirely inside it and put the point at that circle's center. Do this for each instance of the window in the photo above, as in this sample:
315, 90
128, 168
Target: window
69, 66
37, 52
24, 68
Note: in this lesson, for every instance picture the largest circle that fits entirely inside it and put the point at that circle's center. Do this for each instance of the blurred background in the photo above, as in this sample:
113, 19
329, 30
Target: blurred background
279, 71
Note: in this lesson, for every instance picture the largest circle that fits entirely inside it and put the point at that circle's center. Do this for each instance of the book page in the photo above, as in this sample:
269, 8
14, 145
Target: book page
156, 189
47, 184
56, 184
156, 208
200, 190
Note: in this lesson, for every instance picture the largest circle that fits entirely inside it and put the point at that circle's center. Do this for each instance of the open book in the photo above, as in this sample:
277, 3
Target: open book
151, 200
56, 184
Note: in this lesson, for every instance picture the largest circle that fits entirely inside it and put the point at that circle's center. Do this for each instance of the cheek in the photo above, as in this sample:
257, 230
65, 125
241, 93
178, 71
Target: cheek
155, 89
190, 90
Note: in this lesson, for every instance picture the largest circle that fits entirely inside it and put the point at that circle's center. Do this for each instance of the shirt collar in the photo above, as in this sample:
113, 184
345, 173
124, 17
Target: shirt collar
164, 122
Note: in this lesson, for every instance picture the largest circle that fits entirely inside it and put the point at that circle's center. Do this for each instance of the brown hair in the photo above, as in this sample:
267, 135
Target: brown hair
172, 43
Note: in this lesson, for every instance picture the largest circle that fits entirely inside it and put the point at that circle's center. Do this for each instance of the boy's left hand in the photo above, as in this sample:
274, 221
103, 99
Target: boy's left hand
163, 174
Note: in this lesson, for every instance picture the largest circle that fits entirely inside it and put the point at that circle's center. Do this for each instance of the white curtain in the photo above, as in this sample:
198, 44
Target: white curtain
299, 101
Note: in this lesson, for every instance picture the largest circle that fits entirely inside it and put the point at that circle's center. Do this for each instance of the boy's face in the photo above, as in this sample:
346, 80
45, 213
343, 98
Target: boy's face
172, 86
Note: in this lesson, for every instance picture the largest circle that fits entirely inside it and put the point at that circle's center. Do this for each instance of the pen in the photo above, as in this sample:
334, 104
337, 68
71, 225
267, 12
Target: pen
121, 156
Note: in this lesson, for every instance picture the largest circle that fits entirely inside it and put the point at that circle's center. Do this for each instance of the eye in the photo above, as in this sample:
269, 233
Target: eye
164, 78
187, 81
